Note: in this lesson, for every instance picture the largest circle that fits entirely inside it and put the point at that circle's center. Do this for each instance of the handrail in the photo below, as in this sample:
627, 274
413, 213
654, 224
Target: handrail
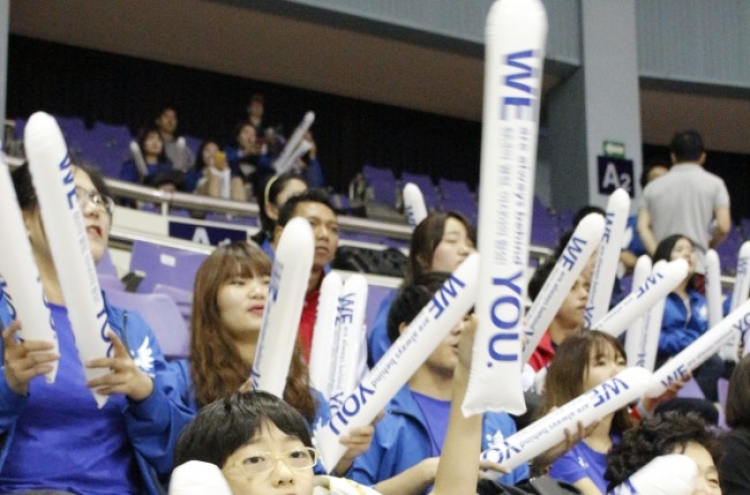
204, 203
126, 237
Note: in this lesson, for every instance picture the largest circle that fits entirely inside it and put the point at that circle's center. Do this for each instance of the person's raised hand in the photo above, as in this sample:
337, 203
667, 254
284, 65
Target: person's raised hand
23, 360
125, 376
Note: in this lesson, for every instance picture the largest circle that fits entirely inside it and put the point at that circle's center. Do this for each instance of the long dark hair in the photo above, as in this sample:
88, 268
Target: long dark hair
664, 252
216, 367
271, 190
566, 374
425, 239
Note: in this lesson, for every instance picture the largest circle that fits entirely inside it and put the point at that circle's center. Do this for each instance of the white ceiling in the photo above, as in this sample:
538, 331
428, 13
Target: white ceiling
243, 42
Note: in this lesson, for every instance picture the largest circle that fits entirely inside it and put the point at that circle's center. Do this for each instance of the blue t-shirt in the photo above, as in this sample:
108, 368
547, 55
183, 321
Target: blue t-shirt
581, 462
62, 440
436, 414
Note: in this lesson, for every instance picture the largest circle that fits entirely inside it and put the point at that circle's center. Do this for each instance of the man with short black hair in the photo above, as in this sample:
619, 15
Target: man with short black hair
315, 206
685, 201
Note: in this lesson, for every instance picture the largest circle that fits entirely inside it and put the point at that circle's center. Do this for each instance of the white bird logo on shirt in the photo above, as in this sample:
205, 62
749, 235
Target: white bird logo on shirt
144, 357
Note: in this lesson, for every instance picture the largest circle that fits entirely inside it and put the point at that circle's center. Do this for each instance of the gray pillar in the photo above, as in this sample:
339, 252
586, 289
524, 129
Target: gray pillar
598, 104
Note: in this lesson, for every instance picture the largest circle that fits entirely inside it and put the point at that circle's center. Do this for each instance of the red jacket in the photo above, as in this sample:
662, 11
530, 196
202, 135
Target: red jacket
543, 353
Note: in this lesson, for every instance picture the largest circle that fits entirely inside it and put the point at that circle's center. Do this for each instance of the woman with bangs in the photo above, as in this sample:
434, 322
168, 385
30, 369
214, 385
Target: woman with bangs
230, 293
439, 244
582, 362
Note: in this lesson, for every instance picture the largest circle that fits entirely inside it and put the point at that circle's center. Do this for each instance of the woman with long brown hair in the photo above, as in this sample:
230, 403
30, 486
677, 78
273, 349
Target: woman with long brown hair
583, 361
229, 298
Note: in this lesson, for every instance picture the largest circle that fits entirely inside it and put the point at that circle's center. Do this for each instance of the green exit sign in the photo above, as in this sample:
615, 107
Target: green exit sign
614, 149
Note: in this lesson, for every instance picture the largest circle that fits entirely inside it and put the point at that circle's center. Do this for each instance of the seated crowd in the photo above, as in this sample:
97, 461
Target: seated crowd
198, 419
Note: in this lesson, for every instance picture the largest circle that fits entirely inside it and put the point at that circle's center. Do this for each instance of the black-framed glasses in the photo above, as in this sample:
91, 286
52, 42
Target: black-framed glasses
104, 203
259, 462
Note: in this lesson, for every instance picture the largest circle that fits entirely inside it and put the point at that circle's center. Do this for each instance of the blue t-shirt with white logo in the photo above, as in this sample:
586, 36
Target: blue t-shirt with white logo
62, 440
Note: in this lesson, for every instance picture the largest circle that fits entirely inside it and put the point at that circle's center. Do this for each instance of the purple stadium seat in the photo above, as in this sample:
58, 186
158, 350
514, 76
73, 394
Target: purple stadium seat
383, 183
108, 147
164, 265
457, 196
108, 282
691, 390
105, 266
163, 316
183, 298
543, 226
375, 296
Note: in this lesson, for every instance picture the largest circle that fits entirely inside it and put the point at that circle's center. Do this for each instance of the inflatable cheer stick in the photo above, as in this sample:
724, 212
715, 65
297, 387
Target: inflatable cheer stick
660, 283
198, 478
545, 433
605, 270
515, 34
52, 175
19, 280
350, 339
557, 286
423, 335
140, 162
286, 295
324, 334
671, 474
414, 205
699, 351
642, 343
284, 162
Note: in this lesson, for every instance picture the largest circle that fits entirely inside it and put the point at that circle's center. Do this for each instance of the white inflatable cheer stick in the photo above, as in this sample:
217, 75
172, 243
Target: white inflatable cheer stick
324, 334
423, 335
140, 162
284, 161
198, 478
545, 433
642, 344
671, 474
660, 283
569, 265
286, 295
19, 275
180, 154
739, 295
52, 175
414, 205
515, 34
605, 270
699, 351
637, 330
713, 288
350, 338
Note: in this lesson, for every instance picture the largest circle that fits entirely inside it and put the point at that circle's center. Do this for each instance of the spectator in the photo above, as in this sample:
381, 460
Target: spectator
633, 246
259, 442
735, 477
409, 440
685, 201
582, 362
212, 176
159, 171
439, 243
182, 159
231, 288
249, 165
255, 113
671, 433
686, 316
568, 320
55, 438
278, 189
314, 206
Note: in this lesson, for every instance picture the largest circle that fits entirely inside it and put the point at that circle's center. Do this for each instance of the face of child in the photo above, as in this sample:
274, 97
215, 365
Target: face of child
708, 476
603, 365
279, 478
241, 302
453, 248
